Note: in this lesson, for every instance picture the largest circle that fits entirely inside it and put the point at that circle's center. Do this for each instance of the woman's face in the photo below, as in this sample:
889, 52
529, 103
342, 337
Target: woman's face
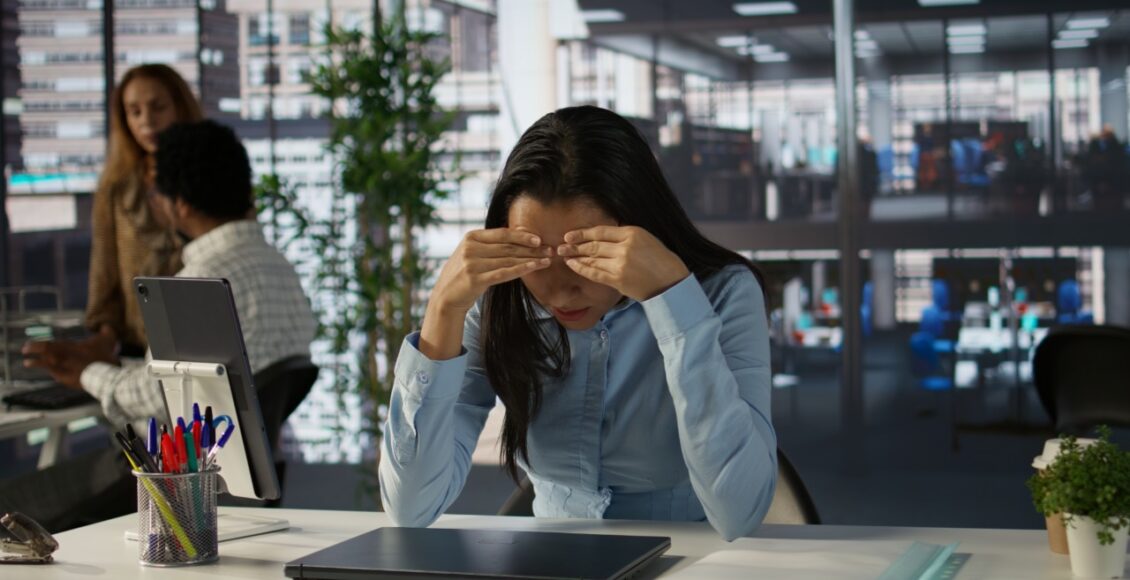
149, 110
576, 302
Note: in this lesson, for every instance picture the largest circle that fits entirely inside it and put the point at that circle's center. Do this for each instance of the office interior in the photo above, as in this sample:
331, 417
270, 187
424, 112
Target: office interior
990, 198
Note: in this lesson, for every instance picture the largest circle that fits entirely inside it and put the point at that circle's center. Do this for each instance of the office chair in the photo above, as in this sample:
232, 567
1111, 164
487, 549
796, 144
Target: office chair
792, 503
1082, 375
281, 388
1069, 304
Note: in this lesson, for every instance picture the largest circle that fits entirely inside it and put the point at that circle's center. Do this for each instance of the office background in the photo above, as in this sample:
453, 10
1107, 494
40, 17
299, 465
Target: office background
986, 196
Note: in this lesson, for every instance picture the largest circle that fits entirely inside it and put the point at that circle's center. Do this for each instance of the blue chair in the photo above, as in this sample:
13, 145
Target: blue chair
866, 309
933, 323
1069, 304
926, 364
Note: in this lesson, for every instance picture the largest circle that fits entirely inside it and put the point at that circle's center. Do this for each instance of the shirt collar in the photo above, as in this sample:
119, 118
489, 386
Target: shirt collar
223, 238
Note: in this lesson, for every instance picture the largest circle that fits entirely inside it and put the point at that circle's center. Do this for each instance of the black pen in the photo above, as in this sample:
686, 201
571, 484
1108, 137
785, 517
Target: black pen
139, 450
130, 453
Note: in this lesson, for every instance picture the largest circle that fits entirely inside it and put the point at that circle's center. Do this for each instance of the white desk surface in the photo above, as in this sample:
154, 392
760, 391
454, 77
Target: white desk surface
99, 551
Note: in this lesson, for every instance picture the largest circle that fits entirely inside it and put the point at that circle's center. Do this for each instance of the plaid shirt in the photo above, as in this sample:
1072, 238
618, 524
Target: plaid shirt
273, 312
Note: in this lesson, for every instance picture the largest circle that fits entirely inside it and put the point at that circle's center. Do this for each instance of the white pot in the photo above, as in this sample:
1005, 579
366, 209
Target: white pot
1089, 558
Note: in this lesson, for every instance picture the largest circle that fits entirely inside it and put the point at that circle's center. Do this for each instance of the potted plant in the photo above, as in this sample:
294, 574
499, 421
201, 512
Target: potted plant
1090, 486
387, 131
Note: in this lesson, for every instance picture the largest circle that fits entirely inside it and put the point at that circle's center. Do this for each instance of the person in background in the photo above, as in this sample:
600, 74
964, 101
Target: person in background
630, 352
205, 193
129, 238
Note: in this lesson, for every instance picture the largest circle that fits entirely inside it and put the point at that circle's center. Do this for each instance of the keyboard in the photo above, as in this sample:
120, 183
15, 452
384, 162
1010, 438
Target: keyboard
49, 398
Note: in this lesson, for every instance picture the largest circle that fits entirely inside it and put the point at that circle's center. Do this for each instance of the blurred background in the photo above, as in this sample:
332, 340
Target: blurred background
992, 184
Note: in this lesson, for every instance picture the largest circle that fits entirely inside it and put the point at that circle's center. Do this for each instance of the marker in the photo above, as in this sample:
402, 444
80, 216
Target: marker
209, 426
182, 451
168, 454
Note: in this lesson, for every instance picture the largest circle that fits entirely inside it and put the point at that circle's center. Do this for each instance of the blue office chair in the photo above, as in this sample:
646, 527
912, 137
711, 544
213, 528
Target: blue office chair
926, 364
1069, 304
866, 310
933, 323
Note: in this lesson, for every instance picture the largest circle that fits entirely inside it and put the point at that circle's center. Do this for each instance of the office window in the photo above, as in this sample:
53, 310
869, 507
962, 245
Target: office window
299, 29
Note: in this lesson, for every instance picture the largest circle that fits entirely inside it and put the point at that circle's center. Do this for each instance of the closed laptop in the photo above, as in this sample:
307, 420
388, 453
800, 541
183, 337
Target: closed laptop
446, 553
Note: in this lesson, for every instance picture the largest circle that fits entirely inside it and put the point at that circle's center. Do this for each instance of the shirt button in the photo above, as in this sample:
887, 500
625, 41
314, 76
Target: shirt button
423, 378
604, 336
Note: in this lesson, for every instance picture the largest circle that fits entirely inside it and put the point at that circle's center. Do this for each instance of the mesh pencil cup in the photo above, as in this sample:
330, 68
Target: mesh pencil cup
176, 518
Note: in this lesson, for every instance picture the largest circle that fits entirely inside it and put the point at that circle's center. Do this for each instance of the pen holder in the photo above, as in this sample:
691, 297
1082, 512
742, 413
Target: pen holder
176, 518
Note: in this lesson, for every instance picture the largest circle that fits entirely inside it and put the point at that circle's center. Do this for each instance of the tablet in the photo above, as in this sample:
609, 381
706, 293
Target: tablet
195, 320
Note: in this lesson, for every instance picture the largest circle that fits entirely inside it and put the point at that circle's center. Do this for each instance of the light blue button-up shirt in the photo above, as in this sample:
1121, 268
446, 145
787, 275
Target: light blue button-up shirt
664, 415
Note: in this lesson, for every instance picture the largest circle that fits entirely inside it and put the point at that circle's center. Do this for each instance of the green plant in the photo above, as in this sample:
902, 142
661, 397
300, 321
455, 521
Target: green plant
1091, 481
386, 126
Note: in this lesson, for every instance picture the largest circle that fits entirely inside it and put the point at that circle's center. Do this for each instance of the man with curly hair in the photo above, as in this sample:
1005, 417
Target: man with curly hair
204, 185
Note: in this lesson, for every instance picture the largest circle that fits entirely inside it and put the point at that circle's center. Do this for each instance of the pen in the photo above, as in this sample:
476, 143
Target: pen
168, 454
196, 438
209, 426
153, 445
223, 439
196, 412
182, 450
128, 449
142, 456
180, 423
190, 455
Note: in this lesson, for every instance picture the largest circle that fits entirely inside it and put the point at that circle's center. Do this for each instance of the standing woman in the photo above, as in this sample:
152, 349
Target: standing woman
631, 353
128, 238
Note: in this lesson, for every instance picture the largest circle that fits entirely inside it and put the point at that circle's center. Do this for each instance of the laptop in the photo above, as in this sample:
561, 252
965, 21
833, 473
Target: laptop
476, 554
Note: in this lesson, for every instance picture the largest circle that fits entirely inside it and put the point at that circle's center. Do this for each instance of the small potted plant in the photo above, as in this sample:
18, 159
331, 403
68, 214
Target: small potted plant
1090, 486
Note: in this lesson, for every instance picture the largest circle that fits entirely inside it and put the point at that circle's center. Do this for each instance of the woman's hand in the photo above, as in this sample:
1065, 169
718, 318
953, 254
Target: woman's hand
483, 259
628, 259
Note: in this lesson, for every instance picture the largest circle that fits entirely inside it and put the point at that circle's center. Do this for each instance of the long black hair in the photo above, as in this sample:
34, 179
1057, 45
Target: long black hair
575, 153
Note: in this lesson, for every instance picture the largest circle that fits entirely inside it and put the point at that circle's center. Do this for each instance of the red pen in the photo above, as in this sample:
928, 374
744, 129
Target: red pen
182, 449
196, 437
169, 461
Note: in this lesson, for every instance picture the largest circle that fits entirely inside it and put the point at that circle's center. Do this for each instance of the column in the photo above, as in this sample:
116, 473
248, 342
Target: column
1116, 285
883, 289
527, 55
1113, 61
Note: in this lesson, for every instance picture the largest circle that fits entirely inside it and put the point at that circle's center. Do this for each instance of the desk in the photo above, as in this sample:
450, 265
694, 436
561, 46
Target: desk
100, 550
18, 422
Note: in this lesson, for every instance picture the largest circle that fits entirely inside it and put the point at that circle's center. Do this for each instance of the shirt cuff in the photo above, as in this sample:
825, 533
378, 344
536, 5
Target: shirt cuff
424, 378
96, 379
678, 309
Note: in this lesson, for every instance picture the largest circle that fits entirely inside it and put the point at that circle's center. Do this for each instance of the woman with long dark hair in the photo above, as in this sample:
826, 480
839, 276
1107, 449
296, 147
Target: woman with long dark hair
630, 352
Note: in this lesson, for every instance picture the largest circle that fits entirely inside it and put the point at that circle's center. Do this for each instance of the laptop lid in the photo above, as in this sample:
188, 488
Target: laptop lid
445, 553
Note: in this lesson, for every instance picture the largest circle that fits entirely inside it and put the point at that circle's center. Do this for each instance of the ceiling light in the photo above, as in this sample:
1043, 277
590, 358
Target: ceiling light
757, 49
1078, 23
965, 29
771, 57
1071, 43
764, 8
596, 16
967, 49
965, 40
733, 41
1077, 34
866, 45
932, 3
862, 35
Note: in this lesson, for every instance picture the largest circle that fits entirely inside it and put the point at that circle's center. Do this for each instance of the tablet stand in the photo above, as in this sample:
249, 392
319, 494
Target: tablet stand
185, 383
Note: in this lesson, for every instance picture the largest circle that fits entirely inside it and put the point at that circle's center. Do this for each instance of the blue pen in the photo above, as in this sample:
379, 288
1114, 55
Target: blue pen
196, 412
180, 423
223, 440
151, 445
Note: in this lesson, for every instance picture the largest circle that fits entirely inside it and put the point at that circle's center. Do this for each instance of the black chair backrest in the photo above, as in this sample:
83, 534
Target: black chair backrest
1082, 375
281, 388
791, 504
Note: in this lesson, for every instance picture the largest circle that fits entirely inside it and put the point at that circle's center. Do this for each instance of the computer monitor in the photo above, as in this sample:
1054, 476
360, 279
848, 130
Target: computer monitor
194, 320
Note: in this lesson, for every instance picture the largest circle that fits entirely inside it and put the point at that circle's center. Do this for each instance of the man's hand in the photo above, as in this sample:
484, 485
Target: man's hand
65, 360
